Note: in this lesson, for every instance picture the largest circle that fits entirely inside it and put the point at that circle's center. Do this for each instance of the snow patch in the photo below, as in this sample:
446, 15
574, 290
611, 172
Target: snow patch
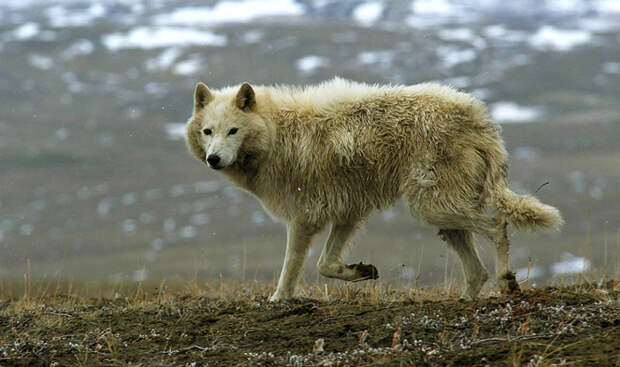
129, 198
41, 62
383, 58
26, 229
529, 273
510, 112
308, 64
607, 6
433, 7
164, 60
176, 130
258, 217
570, 264
368, 13
231, 12
104, 207
451, 56
61, 17
140, 275
389, 214
577, 181
169, 225
429, 13
599, 24
611, 67
177, 190
501, 33
525, 153
205, 187
26, 31
129, 226
62, 133
199, 219
157, 37
458, 82
188, 232
555, 39
188, 67
79, 48
464, 35
253, 36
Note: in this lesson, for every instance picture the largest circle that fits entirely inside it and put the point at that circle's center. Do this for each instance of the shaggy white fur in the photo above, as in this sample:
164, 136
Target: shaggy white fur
336, 151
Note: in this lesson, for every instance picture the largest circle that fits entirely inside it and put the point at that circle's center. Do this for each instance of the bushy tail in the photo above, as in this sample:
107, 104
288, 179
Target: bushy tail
525, 211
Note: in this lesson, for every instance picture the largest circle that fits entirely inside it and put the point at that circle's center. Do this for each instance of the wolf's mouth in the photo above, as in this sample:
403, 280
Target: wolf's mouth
216, 167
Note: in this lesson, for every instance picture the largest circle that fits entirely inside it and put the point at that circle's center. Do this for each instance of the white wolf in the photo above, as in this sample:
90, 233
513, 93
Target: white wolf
336, 151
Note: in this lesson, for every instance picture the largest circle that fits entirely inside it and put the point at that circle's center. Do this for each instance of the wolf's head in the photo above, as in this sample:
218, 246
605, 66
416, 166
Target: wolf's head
225, 127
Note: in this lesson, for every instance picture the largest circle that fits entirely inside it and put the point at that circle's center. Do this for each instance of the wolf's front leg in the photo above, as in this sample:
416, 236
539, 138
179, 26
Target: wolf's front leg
299, 237
330, 262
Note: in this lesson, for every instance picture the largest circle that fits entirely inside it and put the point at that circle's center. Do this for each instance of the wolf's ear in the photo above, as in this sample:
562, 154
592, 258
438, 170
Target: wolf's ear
246, 99
202, 96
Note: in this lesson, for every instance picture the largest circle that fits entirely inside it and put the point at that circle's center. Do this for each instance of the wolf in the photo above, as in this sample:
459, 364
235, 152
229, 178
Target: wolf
334, 152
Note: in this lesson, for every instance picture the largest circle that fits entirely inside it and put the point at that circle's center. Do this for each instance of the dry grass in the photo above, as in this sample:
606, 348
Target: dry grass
27, 295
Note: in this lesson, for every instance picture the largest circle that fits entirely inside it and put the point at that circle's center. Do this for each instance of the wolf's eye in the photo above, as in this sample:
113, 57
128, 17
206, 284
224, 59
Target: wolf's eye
232, 131
206, 131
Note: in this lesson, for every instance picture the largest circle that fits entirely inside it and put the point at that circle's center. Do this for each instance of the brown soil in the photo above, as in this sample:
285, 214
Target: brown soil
577, 327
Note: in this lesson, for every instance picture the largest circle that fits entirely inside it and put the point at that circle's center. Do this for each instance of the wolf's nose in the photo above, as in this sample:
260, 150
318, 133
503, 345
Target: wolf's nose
213, 160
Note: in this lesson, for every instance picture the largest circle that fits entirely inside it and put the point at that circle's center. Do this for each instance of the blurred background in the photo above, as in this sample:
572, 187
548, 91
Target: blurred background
96, 181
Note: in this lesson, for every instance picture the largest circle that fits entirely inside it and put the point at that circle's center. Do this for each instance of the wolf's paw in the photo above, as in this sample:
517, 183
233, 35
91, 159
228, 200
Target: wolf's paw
364, 271
508, 283
276, 299
281, 297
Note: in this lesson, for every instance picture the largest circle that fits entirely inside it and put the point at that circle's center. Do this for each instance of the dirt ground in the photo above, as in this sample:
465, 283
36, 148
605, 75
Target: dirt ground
339, 326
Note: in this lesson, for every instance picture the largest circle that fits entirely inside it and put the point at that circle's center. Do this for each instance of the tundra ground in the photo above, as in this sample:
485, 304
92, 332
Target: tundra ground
227, 324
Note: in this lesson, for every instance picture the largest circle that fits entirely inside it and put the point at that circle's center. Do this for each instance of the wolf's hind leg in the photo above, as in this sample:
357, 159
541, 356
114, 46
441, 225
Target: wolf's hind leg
476, 274
299, 237
495, 230
505, 277
330, 263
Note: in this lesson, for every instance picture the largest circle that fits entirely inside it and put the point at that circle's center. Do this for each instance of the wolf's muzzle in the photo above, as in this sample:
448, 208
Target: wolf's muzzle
213, 161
